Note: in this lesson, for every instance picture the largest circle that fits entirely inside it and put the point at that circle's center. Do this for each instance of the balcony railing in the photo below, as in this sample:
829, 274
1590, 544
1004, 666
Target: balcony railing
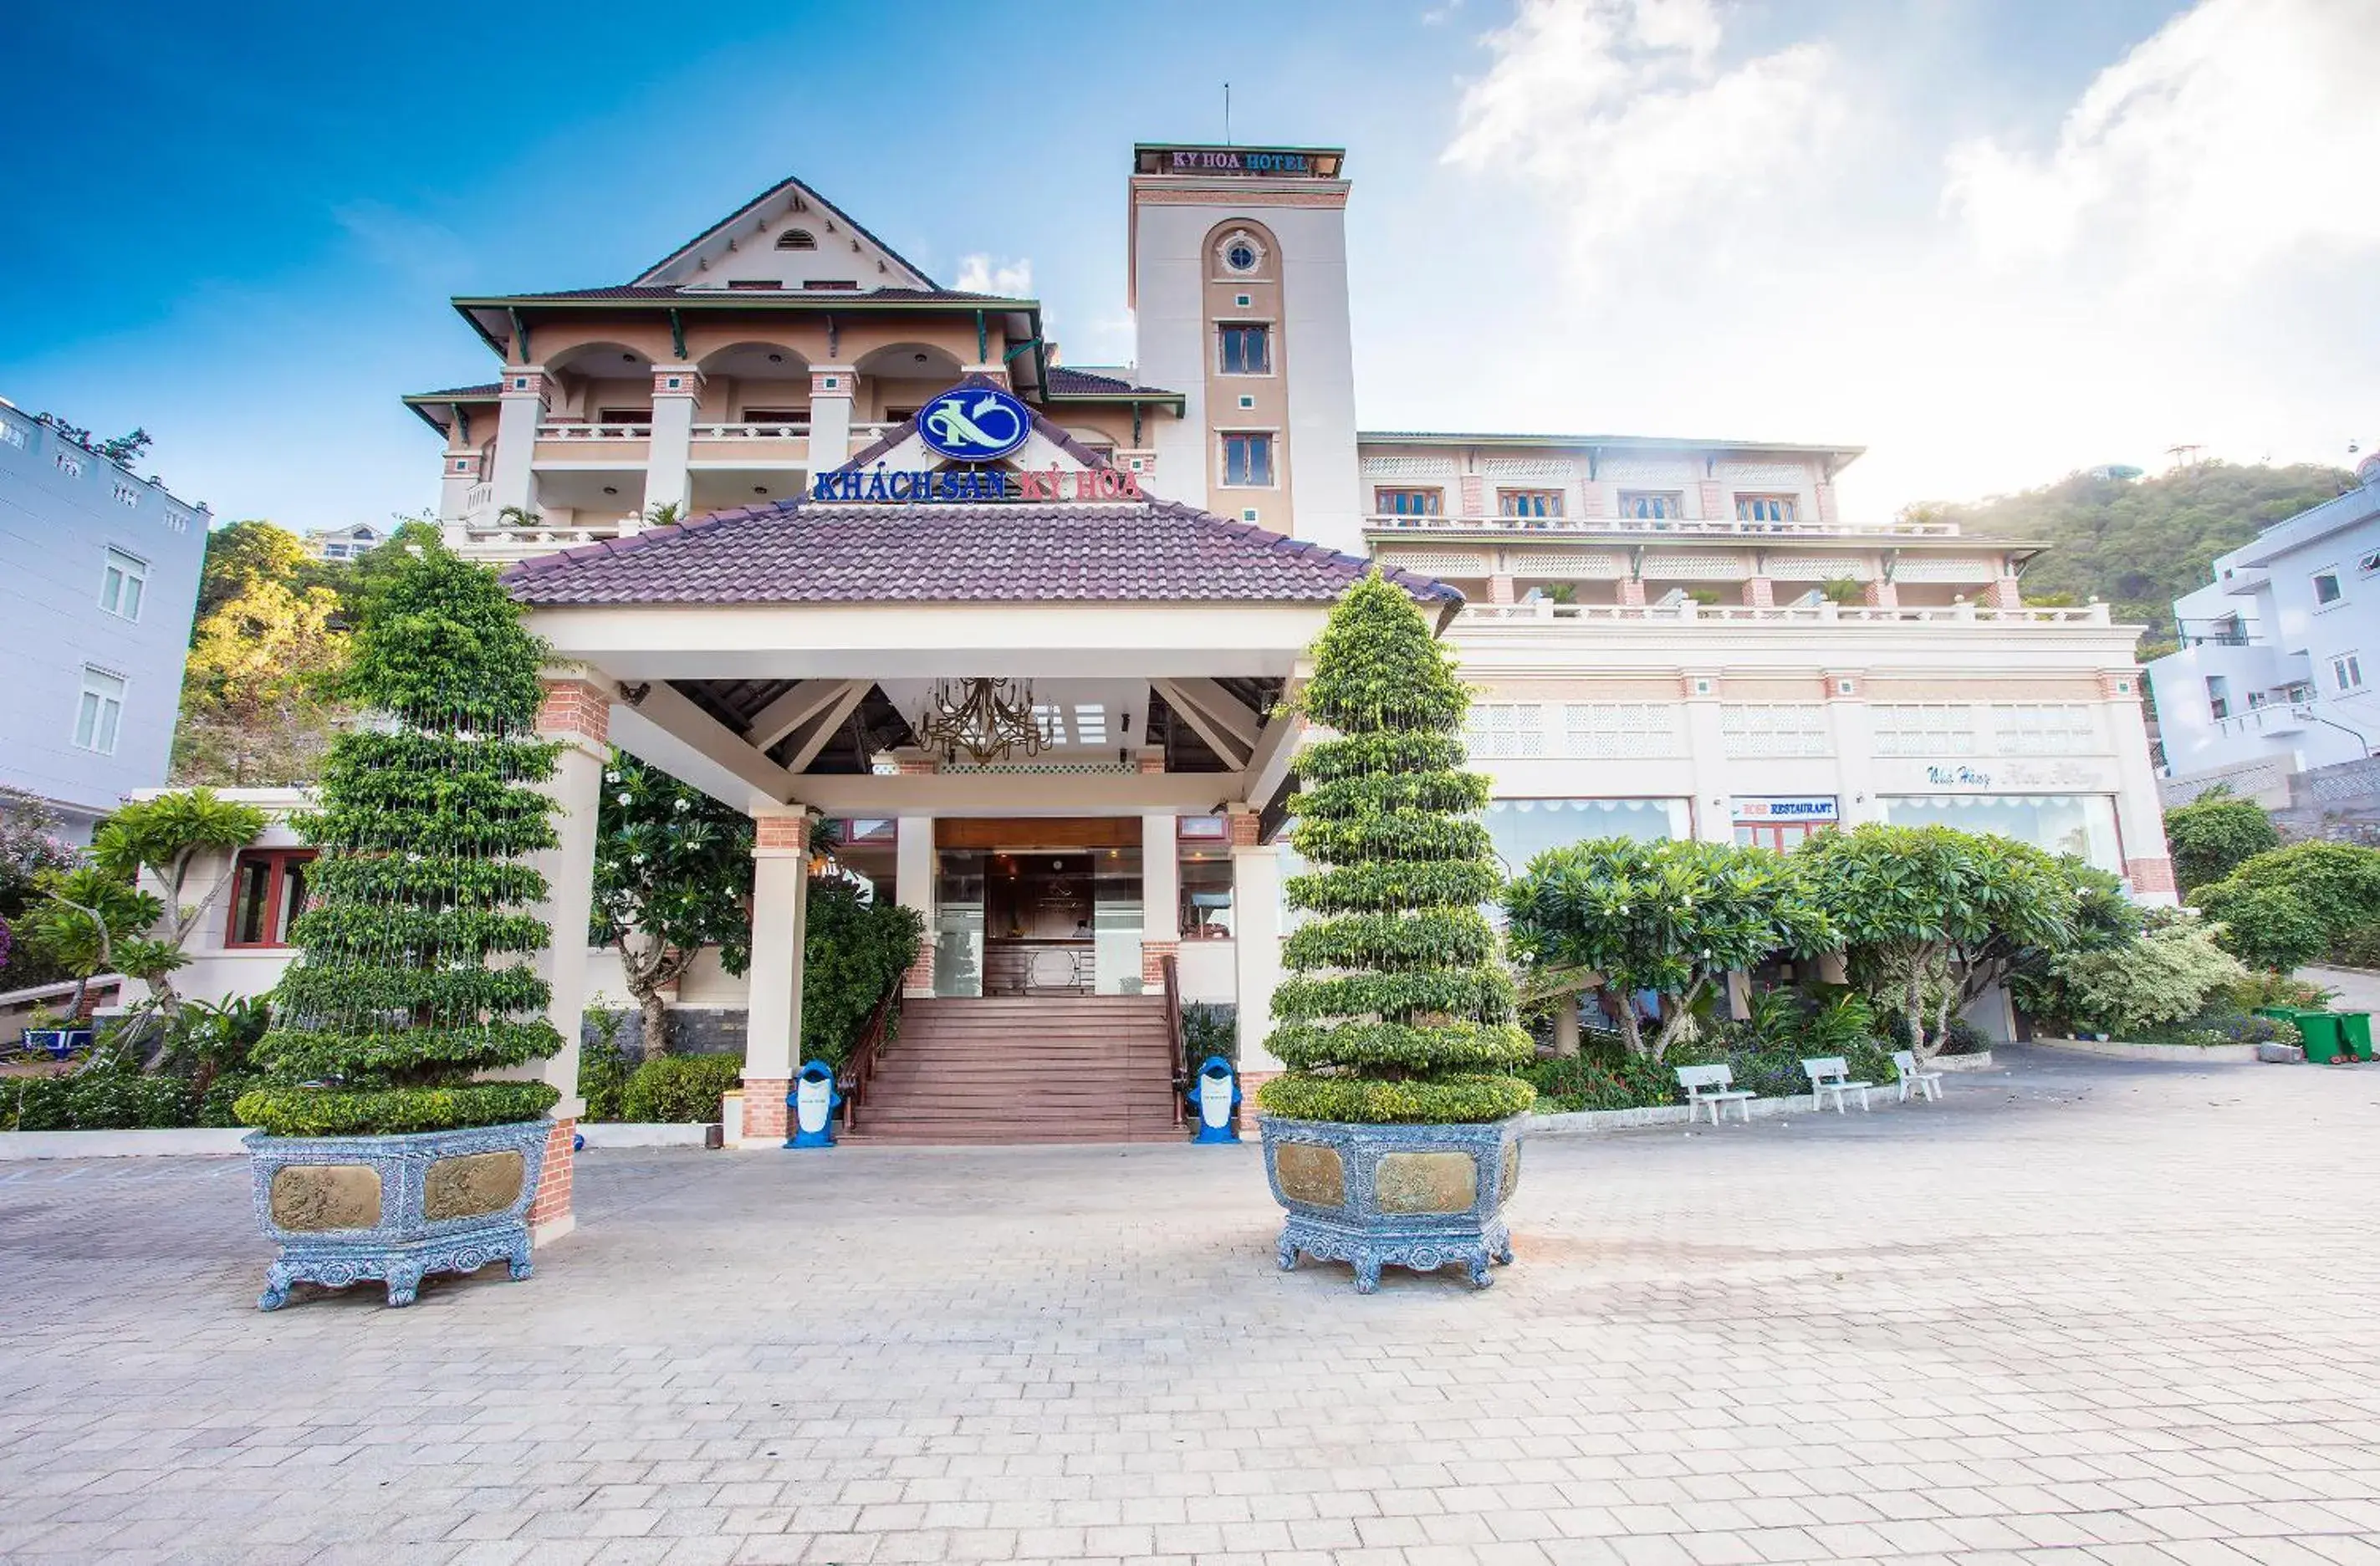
1670, 526
484, 539
776, 432
1545, 610
579, 429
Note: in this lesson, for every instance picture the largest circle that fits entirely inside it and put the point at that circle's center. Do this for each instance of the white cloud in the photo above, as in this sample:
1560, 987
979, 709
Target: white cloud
2242, 131
981, 273
1622, 111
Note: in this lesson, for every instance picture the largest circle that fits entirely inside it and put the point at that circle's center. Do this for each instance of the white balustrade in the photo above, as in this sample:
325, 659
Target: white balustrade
1547, 610
503, 542
1677, 527
578, 430
777, 431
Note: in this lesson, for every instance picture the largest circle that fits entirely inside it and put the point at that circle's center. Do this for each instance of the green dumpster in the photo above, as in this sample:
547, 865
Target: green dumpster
2355, 1033
2324, 1042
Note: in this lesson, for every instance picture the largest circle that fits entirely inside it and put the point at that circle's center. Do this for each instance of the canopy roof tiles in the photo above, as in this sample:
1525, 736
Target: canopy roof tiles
800, 552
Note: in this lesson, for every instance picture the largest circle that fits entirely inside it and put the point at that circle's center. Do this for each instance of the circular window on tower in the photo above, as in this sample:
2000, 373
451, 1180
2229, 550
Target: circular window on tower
1240, 252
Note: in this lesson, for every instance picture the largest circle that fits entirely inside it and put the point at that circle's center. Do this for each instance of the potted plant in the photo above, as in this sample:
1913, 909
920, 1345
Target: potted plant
379, 1152
1395, 1136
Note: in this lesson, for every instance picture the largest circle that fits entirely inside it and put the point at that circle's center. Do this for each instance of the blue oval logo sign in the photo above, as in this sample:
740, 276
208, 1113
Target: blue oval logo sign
974, 424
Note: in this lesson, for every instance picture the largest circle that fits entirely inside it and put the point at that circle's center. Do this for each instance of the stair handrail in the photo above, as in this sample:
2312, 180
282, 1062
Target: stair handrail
859, 1069
1172, 970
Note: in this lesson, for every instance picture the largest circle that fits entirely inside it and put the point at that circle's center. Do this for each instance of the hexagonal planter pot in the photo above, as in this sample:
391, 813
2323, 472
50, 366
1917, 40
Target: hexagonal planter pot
398, 1208
1394, 1195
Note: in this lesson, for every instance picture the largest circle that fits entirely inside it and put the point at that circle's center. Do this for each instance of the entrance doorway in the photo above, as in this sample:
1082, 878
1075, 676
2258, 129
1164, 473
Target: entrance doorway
1027, 906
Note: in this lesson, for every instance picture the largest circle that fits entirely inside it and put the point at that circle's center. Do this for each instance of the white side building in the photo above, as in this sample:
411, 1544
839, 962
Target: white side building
2279, 653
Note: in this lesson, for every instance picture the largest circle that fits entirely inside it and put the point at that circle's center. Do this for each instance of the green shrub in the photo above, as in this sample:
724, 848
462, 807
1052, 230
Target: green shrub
2213, 835
2285, 908
604, 1067
2223, 1026
409, 983
105, 1101
2357, 947
1394, 1008
1604, 1075
853, 950
2165, 974
680, 1088
1210, 1028
219, 1104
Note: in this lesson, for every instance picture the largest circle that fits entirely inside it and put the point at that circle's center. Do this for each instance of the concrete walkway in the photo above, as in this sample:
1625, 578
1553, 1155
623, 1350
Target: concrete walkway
2084, 1310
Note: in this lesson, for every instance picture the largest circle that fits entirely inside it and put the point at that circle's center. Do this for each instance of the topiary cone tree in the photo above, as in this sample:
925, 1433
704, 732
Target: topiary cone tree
413, 978
1396, 1009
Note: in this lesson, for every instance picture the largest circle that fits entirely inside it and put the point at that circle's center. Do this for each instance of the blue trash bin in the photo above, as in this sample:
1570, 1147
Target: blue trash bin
1215, 1092
810, 1105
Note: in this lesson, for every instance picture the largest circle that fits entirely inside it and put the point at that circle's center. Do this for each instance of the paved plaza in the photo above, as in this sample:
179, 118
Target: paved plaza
2081, 1311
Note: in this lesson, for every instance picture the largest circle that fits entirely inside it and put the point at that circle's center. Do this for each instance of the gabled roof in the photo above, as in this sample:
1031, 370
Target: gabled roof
779, 195
678, 295
800, 552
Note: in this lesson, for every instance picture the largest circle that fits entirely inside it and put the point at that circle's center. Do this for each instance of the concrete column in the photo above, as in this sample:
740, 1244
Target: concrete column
1256, 929
576, 713
454, 486
912, 877
1706, 756
1160, 894
831, 389
675, 395
2140, 811
1853, 731
772, 1039
521, 409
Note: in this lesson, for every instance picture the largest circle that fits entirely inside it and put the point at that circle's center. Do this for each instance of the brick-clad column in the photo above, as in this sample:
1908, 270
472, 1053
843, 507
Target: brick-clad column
1881, 595
1500, 589
1759, 593
1631, 592
577, 712
1711, 497
1826, 501
2006, 594
772, 1039
1474, 490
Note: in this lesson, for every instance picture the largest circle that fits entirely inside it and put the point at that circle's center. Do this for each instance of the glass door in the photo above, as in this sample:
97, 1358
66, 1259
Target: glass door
958, 923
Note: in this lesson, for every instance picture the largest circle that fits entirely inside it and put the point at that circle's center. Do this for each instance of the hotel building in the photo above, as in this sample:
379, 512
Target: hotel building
1671, 637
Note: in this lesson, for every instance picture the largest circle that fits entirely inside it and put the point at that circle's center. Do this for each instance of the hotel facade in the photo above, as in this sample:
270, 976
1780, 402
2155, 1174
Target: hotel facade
725, 491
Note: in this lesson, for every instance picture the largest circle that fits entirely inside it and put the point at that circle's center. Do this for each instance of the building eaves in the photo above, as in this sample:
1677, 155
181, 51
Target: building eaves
1629, 443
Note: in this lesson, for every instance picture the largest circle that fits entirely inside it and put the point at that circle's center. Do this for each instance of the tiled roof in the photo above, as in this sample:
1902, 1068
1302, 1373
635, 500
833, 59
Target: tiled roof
1065, 382
458, 394
798, 552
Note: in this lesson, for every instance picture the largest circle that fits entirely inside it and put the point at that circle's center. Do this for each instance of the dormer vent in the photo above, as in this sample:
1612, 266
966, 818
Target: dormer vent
797, 239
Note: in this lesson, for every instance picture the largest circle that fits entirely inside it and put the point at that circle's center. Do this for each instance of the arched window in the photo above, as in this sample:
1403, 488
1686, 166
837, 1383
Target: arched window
797, 239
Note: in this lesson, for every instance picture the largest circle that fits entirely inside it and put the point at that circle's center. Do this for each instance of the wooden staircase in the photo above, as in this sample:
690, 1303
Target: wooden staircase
1060, 1068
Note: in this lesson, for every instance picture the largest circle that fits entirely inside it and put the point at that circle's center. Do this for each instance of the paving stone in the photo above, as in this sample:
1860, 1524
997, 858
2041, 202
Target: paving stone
2079, 1311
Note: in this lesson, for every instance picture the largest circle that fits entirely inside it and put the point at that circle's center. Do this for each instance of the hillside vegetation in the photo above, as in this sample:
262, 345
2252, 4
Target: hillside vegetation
2140, 544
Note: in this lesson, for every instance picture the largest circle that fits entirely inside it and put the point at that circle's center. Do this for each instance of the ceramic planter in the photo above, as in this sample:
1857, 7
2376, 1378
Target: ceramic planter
1394, 1195
396, 1208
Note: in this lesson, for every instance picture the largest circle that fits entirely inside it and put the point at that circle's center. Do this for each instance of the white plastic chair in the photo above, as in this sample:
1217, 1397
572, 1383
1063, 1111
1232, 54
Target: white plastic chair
1832, 1073
1927, 1083
1714, 1086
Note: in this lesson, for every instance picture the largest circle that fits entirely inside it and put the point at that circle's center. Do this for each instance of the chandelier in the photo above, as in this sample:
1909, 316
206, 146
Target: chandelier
990, 720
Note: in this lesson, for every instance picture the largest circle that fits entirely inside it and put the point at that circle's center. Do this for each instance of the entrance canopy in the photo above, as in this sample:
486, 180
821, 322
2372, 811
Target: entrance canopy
780, 654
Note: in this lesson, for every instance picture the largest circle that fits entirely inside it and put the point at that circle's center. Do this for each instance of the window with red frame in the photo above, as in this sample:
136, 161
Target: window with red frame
268, 891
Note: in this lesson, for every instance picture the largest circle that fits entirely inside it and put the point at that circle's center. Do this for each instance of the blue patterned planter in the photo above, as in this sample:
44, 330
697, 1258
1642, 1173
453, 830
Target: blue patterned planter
345, 1208
1394, 1195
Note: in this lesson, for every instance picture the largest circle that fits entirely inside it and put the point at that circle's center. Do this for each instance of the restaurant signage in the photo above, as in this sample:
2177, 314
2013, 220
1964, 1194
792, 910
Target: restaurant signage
1805, 807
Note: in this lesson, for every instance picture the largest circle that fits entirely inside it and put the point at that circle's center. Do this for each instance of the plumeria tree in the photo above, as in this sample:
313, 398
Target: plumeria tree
1396, 1007
1930, 916
1672, 917
412, 978
673, 875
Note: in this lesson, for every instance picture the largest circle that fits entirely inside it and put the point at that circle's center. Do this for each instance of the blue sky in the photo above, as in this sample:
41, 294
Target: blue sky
1991, 239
